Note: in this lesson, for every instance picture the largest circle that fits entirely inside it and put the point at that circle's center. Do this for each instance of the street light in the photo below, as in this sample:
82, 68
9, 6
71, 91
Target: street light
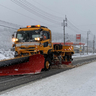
64, 24
88, 32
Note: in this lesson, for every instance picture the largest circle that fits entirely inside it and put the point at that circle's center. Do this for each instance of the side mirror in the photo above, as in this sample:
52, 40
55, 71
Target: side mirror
41, 35
41, 38
12, 35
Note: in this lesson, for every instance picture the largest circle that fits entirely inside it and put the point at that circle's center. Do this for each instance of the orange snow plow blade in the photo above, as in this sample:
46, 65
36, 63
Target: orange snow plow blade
25, 65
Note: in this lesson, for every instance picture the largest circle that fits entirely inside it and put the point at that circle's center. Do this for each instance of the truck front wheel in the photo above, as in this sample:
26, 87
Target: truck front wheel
46, 65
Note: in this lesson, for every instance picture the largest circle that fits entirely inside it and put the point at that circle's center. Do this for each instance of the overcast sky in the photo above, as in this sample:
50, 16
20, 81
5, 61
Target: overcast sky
81, 14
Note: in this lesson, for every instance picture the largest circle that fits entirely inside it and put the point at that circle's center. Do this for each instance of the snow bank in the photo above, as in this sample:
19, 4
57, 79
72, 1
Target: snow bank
6, 54
80, 81
78, 55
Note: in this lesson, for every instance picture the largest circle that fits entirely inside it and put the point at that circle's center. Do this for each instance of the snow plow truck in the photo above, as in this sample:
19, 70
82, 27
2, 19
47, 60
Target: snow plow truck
35, 51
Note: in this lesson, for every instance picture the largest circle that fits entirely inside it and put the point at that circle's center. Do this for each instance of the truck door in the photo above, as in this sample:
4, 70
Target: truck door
46, 40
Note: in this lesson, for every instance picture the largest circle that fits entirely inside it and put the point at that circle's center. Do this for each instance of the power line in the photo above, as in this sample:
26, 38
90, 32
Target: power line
19, 13
26, 3
8, 23
41, 11
44, 12
8, 27
26, 7
75, 30
69, 23
73, 27
28, 17
48, 8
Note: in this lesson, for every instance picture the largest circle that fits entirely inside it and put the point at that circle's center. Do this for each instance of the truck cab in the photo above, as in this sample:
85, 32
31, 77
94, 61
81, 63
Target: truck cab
32, 40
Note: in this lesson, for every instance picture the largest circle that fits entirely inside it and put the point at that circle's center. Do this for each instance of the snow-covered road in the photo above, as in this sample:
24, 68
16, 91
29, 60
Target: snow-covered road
80, 81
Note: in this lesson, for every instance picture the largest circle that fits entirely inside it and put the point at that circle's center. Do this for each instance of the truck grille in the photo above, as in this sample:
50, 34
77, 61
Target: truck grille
31, 48
22, 48
28, 48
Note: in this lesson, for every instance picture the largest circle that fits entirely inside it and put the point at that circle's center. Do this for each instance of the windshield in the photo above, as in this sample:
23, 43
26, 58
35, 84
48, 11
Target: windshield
27, 36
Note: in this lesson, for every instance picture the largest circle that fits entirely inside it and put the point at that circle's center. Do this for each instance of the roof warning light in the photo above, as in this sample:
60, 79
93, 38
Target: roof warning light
29, 26
37, 25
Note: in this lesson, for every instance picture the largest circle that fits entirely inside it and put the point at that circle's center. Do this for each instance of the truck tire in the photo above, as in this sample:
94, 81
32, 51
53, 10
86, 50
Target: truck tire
57, 47
47, 64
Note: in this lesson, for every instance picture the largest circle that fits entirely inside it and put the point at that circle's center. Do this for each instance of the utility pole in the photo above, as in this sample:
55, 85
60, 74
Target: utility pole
88, 32
93, 44
80, 45
64, 25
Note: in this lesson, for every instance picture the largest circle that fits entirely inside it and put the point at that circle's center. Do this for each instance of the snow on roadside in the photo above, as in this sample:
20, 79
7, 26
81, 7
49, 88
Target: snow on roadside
78, 55
10, 54
80, 81
6, 54
2, 57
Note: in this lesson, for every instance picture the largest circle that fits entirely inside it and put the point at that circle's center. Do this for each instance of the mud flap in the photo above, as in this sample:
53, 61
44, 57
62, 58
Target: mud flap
66, 62
34, 65
62, 63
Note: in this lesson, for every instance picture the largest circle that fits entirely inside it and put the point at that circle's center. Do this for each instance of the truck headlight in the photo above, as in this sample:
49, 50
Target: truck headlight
14, 39
37, 39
